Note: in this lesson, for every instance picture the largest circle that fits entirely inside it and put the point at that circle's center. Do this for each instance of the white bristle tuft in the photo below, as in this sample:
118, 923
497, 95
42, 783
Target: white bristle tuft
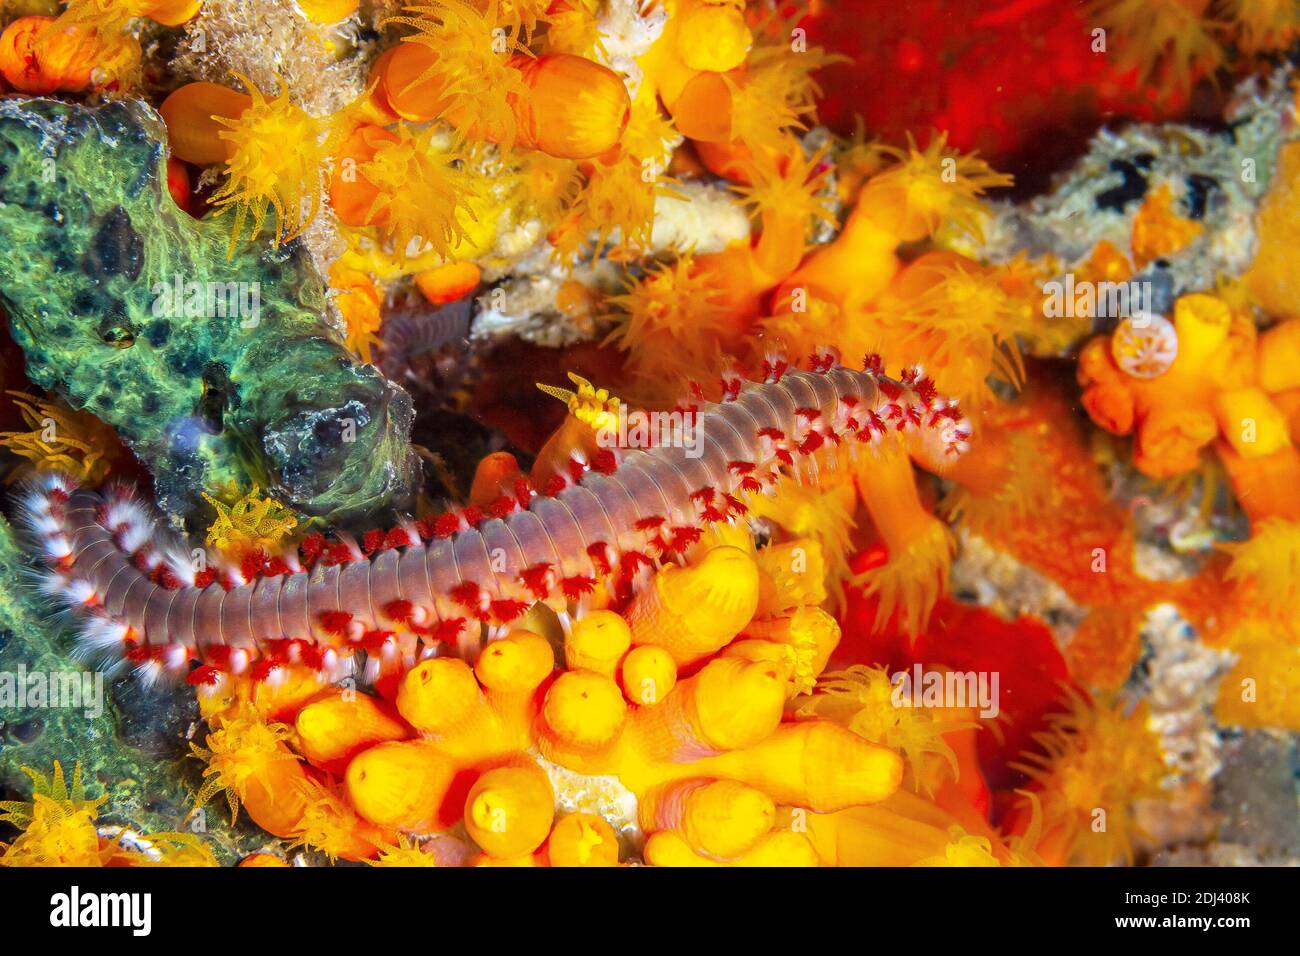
133, 535
354, 550
57, 547
57, 481
36, 504
80, 593
177, 657
104, 633
54, 584
150, 673
46, 524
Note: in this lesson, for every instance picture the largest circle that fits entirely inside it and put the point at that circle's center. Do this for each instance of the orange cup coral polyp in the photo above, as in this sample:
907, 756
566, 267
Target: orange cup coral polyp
574, 108
40, 56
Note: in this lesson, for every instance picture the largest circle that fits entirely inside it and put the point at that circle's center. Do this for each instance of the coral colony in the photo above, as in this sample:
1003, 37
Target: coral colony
913, 478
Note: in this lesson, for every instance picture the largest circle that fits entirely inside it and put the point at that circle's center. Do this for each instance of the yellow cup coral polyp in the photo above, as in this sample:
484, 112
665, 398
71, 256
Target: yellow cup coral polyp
360, 303
722, 818
251, 523
582, 839
208, 124
400, 784
335, 728
59, 827
510, 810
693, 612
713, 35
928, 188
60, 439
409, 185
260, 173
1100, 759
458, 69
564, 105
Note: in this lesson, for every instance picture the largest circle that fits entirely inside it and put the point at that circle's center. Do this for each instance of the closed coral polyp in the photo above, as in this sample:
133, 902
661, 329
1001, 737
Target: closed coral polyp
39, 55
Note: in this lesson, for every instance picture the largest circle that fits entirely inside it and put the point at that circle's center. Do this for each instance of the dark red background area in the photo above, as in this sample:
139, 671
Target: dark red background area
1015, 79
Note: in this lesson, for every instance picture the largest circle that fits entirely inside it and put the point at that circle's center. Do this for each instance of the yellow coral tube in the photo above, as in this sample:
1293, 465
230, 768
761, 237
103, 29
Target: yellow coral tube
693, 611
400, 784
647, 675
810, 631
730, 703
702, 111
512, 670
575, 108
332, 730
813, 764
441, 698
920, 546
582, 721
582, 839
1250, 422
1265, 486
510, 809
597, 642
852, 269
1279, 357
192, 131
873, 836
1202, 322
719, 818
779, 848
